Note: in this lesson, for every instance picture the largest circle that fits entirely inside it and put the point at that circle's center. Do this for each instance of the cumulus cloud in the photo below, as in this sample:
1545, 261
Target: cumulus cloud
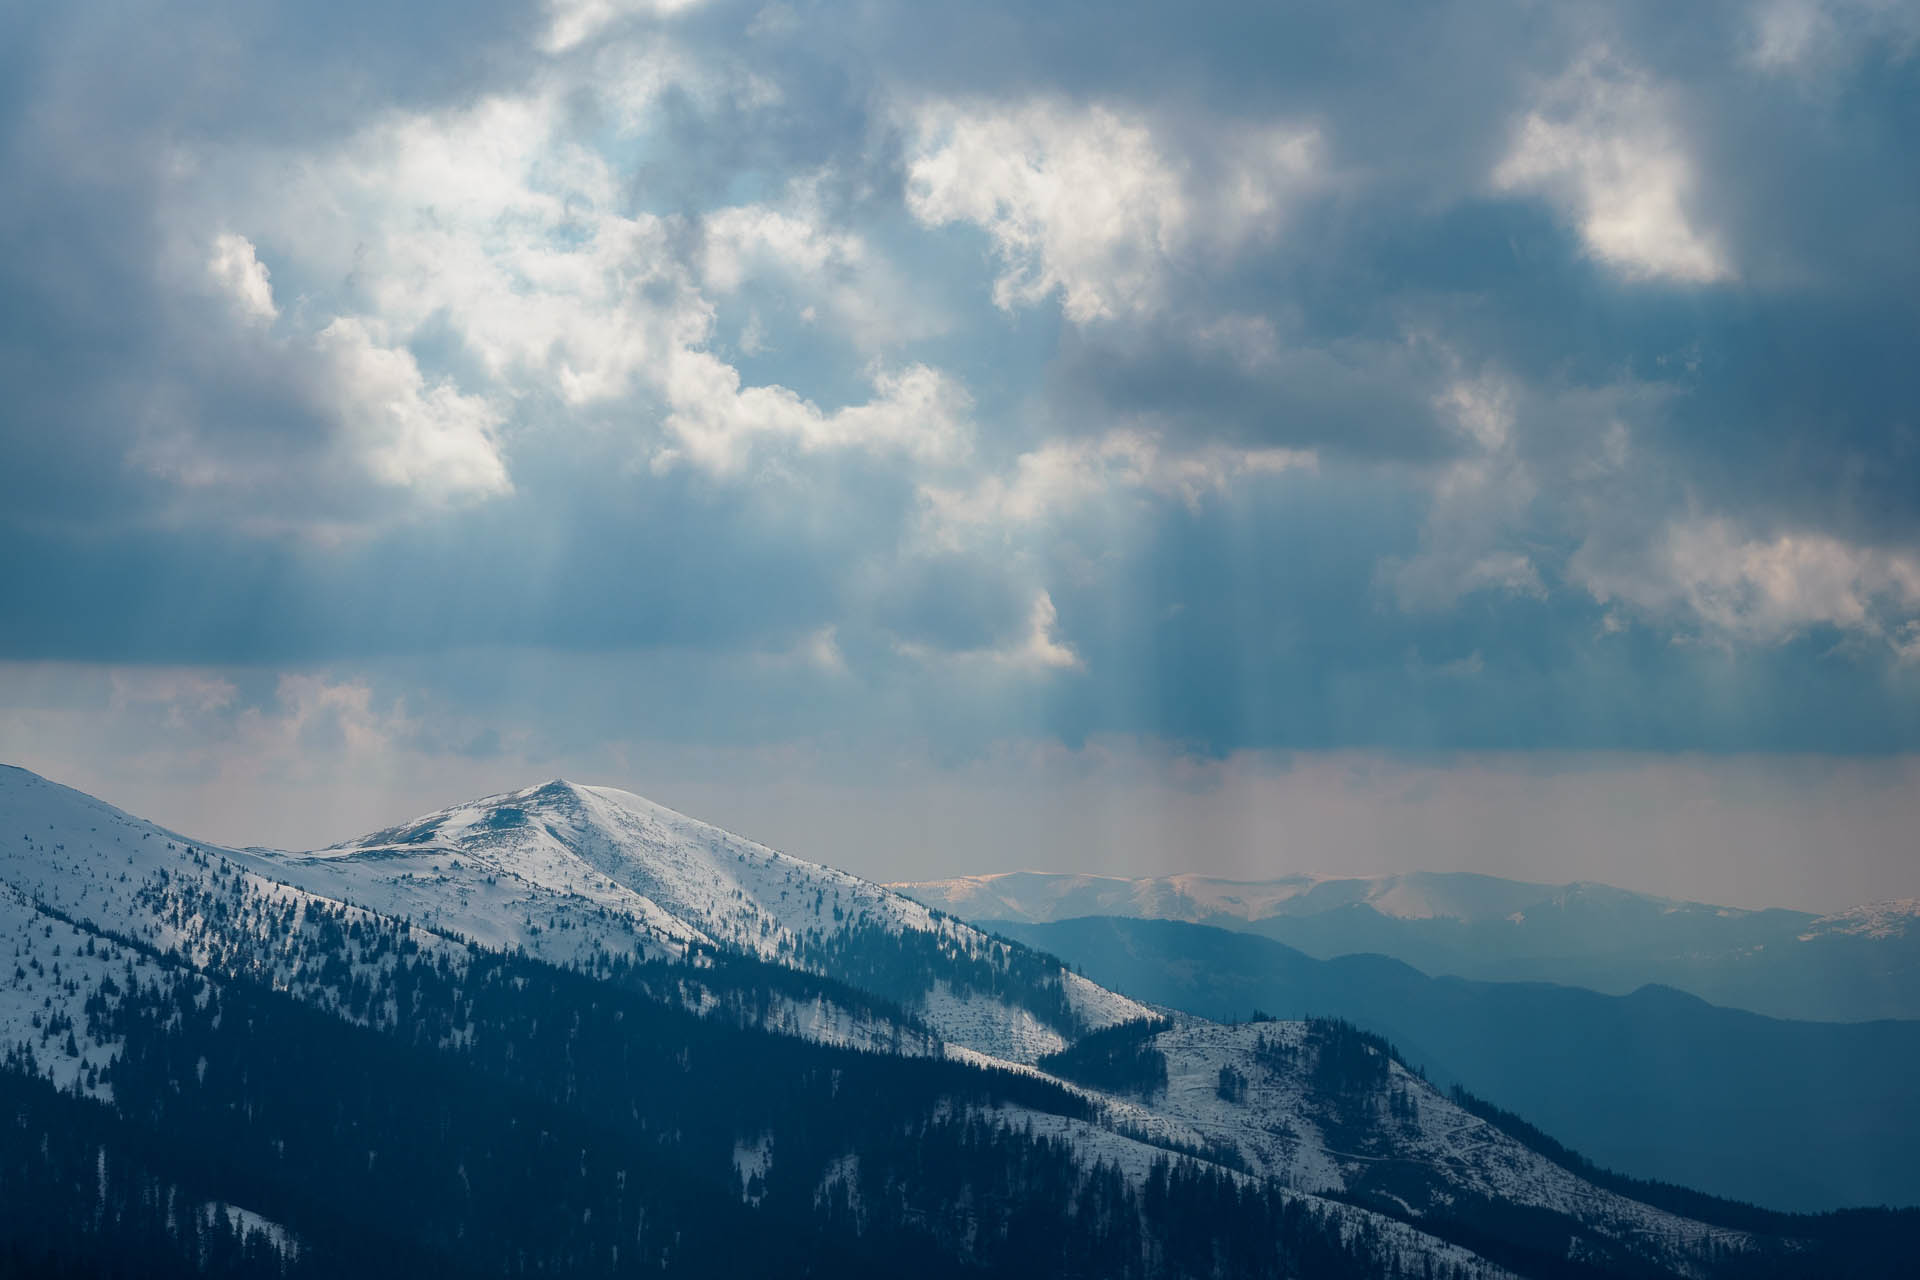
238, 271
872, 332
828, 270
572, 23
744, 237
357, 418
1805, 36
716, 423
821, 650
1735, 585
1480, 504
1090, 203
1037, 650
1041, 647
1063, 476
1601, 144
428, 438
184, 692
489, 219
196, 723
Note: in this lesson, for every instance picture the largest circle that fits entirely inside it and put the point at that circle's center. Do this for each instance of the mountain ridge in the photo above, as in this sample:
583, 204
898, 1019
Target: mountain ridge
1657, 1083
683, 883
152, 972
1855, 965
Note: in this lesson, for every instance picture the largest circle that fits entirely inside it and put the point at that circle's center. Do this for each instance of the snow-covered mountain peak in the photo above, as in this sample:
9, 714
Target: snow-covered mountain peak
1039, 897
686, 880
577, 875
570, 872
104, 908
64, 849
1888, 918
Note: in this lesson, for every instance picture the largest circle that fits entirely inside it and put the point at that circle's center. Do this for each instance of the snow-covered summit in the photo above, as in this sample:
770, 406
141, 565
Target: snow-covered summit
571, 874
93, 897
1040, 897
688, 881
568, 871
65, 850
1888, 918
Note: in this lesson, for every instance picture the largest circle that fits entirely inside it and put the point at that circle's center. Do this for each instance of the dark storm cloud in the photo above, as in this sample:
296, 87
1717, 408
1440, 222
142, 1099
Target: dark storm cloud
1358, 395
1239, 628
1774, 391
99, 343
568, 563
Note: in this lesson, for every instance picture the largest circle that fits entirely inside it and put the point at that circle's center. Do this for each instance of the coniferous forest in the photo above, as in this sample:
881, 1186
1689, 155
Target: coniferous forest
242, 1080
520, 1119
537, 1121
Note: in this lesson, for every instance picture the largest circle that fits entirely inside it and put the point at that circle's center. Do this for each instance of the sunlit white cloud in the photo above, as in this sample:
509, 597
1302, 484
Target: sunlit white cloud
429, 438
1602, 145
833, 273
1479, 508
821, 651
572, 23
716, 423
1810, 36
238, 271
490, 218
1710, 574
818, 339
1063, 476
1090, 202
1037, 649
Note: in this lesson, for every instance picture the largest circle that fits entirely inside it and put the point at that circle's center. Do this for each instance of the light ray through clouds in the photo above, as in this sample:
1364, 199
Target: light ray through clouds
585, 384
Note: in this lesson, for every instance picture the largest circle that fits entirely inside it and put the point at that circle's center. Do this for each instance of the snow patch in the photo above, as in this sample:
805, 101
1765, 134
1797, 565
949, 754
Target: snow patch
752, 1159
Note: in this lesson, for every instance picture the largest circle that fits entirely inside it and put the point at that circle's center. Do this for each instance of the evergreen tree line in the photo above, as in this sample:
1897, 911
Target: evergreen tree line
1118, 1059
1349, 1072
1858, 1242
580, 1128
904, 964
478, 1113
74, 1203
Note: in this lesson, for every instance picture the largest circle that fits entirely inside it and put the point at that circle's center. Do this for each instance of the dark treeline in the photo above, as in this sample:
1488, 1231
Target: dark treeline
406, 1107
74, 1201
1845, 1243
904, 964
1349, 1070
1119, 1059
521, 1119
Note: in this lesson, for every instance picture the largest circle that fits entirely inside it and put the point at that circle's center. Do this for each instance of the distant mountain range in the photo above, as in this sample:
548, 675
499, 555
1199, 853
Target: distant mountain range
1850, 966
567, 1031
1658, 1083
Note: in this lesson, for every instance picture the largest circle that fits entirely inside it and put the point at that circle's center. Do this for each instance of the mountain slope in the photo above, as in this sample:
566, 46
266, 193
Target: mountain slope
575, 875
569, 872
165, 978
314, 1038
1852, 966
1326, 1111
1659, 1084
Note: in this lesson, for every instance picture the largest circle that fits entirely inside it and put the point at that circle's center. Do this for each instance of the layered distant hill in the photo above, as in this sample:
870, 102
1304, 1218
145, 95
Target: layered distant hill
1658, 1083
1850, 966
566, 1031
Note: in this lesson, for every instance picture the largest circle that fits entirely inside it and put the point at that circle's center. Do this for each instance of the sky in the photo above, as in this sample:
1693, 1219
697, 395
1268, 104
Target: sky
1240, 438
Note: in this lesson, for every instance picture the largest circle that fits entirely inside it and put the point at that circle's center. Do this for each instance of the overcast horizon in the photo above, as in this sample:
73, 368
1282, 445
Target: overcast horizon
1242, 441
